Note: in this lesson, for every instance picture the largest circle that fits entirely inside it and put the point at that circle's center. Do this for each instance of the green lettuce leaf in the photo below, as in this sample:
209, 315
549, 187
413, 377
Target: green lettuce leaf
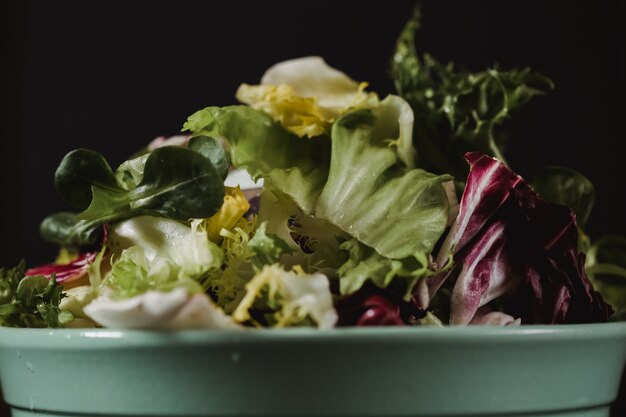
364, 188
369, 194
228, 287
266, 249
314, 242
257, 143
365, 264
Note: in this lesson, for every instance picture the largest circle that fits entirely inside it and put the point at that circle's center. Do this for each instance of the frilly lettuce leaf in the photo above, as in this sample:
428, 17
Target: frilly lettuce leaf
228, 287
134, 274
266, 249
457, 111
161, 252
247, 250
287, 298
305, 95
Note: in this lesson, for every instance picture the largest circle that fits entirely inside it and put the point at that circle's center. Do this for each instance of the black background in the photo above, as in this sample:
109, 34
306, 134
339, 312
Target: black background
113, 75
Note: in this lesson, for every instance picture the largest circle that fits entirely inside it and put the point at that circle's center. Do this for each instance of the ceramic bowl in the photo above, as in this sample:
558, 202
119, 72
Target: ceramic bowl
556, 371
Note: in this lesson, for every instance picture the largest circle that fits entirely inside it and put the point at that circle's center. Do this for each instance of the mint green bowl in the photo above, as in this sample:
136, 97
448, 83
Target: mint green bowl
554, 371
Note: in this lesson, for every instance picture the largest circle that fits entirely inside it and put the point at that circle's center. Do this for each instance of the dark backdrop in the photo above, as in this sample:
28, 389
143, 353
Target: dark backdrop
113, 75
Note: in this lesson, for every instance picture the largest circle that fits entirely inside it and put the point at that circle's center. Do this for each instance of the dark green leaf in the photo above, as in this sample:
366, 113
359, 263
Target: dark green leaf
212, 149
9, 280
606, 268
32, 287
180, 184
78, 172
66, 230
176, 183
566, 187
30, 301
456, 111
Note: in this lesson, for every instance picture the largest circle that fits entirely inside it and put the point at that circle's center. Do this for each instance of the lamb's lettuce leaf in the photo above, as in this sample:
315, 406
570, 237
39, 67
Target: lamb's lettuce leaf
130, 172
176, 183
78, 172
213, 150
66, 230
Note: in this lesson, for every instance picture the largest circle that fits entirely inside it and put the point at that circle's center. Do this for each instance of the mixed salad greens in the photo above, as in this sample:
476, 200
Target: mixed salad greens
360, 210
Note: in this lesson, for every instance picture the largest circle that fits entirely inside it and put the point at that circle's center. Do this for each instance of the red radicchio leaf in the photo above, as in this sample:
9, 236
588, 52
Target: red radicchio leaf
488, 186
510, 242
379, 311
555, 286
485, 273
373, 306
71, 271
486, 316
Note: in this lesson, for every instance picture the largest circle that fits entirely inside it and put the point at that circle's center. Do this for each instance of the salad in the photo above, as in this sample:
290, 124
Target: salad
317, 202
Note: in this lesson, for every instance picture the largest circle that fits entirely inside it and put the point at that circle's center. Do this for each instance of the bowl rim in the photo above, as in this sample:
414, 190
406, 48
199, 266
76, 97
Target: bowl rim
108, 337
